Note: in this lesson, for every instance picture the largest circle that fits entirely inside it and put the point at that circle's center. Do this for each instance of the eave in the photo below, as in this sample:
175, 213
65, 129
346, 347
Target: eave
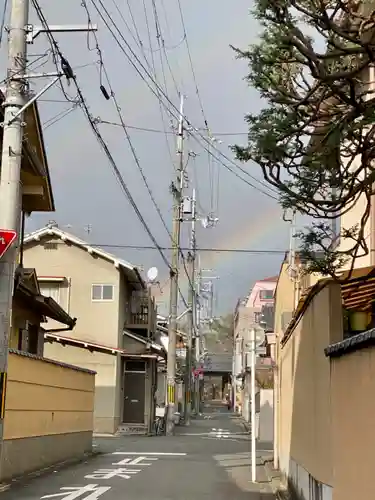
35, 178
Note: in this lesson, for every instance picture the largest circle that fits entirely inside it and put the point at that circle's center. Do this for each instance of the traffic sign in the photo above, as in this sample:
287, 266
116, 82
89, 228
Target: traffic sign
6, 239
197, 372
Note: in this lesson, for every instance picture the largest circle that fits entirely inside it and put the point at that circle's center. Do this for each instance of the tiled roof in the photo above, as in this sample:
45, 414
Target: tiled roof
126, 267
272, 278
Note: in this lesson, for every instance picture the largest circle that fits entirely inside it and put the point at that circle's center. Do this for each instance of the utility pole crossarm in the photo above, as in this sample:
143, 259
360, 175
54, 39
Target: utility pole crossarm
33, 31
33, 99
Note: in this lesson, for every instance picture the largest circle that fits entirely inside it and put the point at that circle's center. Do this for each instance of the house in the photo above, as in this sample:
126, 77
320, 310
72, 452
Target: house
47, 406
30, 311
262, 292
116, 329
255, 312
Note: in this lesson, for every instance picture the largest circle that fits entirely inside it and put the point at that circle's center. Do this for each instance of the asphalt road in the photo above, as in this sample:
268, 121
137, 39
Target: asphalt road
207, 460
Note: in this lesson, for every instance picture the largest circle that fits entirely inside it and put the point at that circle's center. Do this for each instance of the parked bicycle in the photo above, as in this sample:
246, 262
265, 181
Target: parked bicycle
160, 420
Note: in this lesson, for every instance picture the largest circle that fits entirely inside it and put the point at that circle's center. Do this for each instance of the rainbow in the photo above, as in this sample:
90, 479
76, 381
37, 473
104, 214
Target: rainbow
242, 238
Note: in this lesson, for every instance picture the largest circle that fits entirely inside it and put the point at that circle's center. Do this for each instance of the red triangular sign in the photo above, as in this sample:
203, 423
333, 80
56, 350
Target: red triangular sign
6, 239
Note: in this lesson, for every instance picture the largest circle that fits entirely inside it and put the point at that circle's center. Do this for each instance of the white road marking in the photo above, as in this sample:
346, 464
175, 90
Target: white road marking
135, 461
215, 438
87, 492
146, 453
220, 433
111, 473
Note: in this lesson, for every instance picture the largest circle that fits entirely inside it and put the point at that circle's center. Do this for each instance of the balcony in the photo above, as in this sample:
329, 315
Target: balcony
141, 318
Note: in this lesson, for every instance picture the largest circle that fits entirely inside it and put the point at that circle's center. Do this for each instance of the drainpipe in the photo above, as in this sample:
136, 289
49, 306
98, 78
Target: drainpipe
21, 236
69, 295
276, 402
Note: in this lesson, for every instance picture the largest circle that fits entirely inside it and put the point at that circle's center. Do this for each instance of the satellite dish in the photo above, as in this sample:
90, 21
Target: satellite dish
152, 274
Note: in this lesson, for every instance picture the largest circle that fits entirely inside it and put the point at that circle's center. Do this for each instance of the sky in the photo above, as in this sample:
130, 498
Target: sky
87, 194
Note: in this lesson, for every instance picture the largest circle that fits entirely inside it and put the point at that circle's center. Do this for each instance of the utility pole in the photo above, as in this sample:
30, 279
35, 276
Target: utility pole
191, 317
172, 324
197, 341
17, 100
252, 395
10, 189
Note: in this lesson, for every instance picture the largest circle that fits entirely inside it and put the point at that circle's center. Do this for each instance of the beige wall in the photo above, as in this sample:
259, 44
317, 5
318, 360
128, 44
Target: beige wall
49, 414
353, 409
304, 378
97, 321
107, 412
284, 306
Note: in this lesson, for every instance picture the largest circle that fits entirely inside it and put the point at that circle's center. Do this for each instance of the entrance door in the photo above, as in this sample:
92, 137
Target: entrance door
134, 398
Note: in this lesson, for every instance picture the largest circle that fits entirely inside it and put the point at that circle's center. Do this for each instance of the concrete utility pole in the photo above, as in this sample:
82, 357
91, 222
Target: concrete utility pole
197, 341
16, 102
172, 324
10, 189
253, 414
192, 314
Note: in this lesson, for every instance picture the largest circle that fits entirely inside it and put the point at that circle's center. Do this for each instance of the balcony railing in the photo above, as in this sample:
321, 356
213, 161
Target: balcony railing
142, 314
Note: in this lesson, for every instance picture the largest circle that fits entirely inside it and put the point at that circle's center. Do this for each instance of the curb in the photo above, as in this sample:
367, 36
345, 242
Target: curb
47, 470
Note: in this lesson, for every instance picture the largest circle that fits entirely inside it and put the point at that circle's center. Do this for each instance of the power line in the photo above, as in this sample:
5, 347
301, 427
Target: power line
199, 249
71, 76
161, 92
140, 44
158, 131
97, 133
59, 116
191, 63
132, 147
124, 127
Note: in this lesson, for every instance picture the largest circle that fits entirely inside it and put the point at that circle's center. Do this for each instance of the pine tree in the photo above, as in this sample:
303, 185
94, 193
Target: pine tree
314, 140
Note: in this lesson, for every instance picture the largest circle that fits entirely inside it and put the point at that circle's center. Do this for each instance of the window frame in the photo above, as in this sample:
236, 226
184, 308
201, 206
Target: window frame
102, 285
266, 291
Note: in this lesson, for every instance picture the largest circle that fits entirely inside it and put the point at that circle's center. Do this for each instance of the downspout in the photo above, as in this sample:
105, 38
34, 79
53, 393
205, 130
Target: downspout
21, 237
276, 403
69, 294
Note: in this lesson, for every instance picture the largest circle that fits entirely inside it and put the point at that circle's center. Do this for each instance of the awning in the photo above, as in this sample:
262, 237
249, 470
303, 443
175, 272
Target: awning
149, 344
45, 306
91, 346
357, 292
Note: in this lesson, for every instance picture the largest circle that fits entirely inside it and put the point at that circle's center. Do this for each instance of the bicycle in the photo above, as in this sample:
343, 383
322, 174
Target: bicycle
160, 421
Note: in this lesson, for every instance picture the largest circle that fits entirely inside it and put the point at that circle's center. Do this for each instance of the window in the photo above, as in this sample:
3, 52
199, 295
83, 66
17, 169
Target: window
102, 292
266, 294
50, 289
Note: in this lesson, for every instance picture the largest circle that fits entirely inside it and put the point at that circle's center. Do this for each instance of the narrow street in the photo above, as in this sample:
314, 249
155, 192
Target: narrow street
210, 459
